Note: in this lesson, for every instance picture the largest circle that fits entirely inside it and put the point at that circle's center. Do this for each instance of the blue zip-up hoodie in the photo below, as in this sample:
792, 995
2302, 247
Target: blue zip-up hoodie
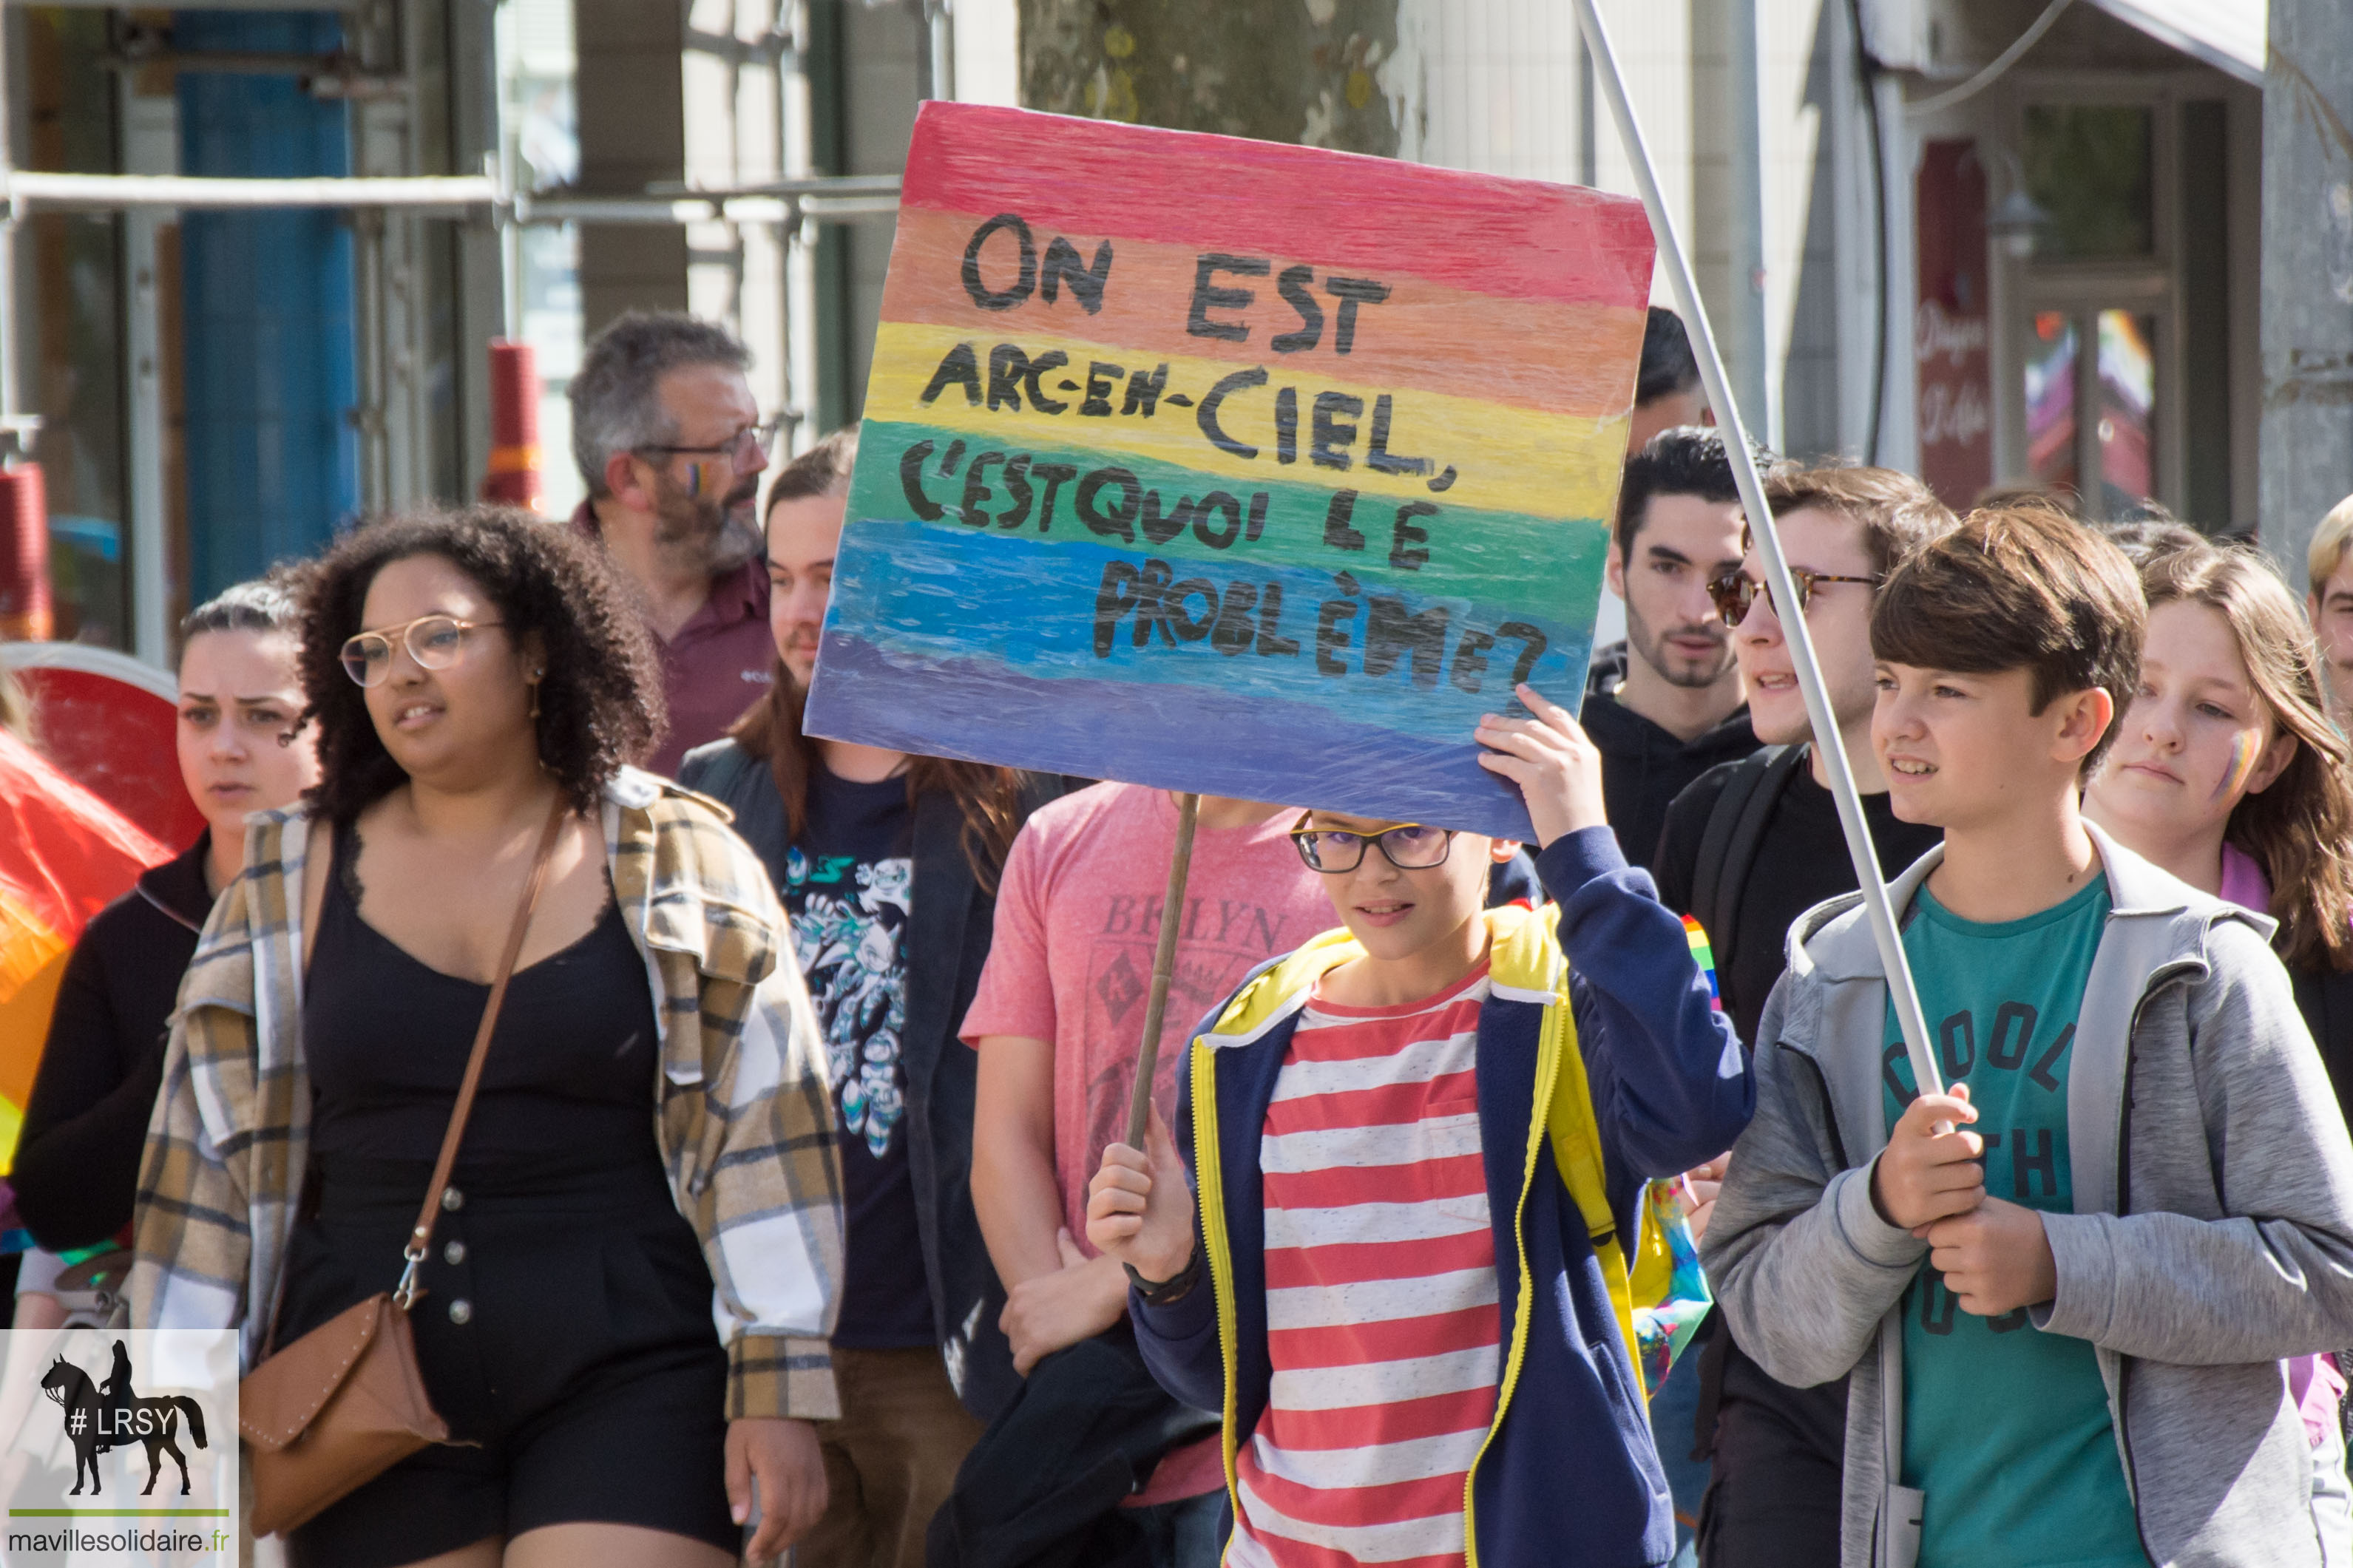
1569, 1474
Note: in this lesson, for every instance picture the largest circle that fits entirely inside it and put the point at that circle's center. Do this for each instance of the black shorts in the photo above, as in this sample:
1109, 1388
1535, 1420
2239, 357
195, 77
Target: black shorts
565, 1333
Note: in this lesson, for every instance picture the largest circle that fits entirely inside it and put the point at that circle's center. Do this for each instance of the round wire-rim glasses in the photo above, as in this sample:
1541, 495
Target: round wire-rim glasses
434, 641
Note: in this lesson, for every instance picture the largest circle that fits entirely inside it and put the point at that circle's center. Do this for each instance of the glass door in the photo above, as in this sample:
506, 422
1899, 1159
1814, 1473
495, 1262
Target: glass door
2098, 298
2091, 407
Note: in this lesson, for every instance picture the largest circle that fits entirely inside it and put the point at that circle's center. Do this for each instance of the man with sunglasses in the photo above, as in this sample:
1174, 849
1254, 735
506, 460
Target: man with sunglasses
1420, 1145
672, 447
1664, 706
1747, 850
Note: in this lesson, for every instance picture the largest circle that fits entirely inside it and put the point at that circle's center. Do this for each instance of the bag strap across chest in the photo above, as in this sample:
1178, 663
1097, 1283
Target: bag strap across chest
420, 1238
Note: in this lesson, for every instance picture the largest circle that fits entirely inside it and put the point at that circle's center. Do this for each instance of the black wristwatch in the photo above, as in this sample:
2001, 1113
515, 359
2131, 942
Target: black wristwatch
1166, 1292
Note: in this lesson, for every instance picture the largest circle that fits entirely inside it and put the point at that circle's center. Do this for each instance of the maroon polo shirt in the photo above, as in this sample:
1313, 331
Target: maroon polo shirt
720, 663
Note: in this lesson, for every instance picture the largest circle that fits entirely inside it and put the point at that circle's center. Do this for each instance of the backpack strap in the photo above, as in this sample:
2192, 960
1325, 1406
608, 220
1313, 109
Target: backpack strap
1729, 843
1640, 1270
1632, 1265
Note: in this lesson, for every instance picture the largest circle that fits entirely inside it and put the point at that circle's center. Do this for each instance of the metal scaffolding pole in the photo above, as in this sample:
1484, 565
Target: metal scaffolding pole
8, 255
818, 198
939, 55
455, 194
740, 208
795, 136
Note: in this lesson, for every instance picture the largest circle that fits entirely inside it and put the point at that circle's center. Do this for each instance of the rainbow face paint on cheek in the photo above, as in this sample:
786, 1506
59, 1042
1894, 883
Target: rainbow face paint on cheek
2243, 762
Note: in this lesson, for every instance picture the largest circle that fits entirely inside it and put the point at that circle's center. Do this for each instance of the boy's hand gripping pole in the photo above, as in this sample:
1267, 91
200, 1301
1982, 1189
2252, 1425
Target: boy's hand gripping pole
1163, 965
1827, 742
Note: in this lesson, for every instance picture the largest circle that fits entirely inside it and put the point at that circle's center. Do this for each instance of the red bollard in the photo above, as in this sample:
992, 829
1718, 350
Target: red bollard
25, 614
513, 475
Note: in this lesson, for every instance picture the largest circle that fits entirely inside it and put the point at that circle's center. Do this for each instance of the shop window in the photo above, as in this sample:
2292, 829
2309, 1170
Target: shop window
2088, 167
2098, 341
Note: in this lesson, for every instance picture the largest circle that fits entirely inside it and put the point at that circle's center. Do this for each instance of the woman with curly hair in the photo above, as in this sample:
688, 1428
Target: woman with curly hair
651, 1152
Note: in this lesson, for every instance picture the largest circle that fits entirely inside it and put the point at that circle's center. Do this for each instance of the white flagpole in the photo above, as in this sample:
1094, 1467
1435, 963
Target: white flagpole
1827, 743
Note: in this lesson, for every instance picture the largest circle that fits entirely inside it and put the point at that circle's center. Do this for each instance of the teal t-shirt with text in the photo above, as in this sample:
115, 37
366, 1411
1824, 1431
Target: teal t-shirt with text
2007, 1428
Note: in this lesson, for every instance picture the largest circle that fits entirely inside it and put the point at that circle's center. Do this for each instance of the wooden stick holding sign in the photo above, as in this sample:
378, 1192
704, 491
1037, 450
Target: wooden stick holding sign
1901, 989
1164, 969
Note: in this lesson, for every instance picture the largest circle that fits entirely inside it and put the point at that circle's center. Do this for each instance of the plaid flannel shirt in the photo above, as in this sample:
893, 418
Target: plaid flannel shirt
743, 1115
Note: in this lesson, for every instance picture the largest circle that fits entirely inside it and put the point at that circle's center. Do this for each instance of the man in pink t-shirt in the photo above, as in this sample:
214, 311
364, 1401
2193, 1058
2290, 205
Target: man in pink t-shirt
1058, 1021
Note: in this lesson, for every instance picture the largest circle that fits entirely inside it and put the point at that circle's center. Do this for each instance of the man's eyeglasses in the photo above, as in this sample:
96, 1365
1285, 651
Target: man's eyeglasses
1734, 591
752, 441
434, 642
1409, 846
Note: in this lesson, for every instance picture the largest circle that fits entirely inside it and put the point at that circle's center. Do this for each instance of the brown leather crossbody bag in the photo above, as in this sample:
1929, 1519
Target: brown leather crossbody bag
345, 1403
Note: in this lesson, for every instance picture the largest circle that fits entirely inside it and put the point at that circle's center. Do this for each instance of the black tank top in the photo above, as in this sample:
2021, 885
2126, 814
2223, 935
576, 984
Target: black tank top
572, 1066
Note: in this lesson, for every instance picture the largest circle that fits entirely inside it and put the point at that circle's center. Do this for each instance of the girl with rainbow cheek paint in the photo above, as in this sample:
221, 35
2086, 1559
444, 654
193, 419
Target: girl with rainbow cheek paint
2198, 740
2227, 773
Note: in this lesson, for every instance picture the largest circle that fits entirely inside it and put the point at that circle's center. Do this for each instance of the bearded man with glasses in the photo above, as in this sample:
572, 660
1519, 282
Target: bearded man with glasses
672, 447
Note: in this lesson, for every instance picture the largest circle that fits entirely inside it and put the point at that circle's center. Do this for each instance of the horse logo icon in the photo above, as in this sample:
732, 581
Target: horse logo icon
112, 1416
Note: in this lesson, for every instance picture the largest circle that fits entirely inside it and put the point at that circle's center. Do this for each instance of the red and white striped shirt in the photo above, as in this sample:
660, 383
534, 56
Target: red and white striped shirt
1380, 1291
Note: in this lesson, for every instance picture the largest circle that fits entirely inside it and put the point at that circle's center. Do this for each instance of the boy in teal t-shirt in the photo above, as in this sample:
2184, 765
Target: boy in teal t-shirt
2013, 1422
2062, 1287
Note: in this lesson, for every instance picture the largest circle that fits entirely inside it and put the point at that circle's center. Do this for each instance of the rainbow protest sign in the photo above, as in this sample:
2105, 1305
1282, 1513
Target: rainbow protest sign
1223, 466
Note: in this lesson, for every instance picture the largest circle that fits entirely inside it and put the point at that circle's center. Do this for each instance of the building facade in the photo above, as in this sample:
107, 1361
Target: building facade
2001, 242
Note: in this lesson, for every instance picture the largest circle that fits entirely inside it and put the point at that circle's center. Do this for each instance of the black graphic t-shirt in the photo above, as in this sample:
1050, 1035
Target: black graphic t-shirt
848, 885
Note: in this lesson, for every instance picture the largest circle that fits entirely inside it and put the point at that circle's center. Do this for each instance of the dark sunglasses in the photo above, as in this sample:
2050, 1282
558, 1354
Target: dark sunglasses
1734, 591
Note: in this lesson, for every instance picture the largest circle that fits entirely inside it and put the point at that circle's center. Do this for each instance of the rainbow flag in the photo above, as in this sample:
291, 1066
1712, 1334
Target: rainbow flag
64, 856
1221, 465
1704, 955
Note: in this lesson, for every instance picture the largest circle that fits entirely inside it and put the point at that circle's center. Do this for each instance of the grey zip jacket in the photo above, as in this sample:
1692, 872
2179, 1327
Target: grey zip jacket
2212, 1234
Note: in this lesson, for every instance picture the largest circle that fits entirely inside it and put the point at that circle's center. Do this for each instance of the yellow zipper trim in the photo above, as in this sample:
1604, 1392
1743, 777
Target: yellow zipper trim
1208, 1182
1547, 1070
